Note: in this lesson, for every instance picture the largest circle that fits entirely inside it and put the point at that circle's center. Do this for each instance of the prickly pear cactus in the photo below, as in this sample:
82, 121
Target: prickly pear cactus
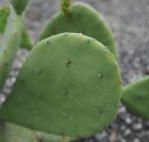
136, 97
70, 85
4, 14
13, 133
19, 5
82, 18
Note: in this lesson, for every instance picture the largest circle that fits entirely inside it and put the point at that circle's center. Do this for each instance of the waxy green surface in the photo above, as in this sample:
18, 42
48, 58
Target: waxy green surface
13, 133
136, 97
10, 132
81, 18
19, 5
69, 85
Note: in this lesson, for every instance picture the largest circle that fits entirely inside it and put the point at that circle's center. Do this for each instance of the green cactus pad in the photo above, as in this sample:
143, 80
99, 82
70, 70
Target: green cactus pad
19, 5
82, 18
10, 132
25, 41
13, 133
9, 45
70, 85
136, 97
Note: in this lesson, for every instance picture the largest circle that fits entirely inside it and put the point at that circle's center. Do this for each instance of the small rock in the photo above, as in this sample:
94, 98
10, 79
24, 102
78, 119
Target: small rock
137, 126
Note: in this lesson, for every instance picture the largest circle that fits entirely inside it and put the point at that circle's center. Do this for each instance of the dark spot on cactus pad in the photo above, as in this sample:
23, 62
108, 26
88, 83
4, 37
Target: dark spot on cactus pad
99, 110
88, 41
65, 92
68, 63
21, 81
48, 42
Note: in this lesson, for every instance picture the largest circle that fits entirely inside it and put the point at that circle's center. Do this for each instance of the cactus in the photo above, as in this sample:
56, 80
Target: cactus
70, 85
25, 41
13, 133
82, 18
9, 45
136, 97
19, 5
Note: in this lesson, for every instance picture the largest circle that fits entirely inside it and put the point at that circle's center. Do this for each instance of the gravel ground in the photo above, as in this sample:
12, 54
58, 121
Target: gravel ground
129, 21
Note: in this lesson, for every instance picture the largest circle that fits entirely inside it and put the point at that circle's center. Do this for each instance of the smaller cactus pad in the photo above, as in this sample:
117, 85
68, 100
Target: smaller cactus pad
136, 97
13, 133
69, 85
82, 18
19, 5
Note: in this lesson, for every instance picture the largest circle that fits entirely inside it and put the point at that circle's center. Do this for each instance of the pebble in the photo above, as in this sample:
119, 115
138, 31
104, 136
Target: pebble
137, 126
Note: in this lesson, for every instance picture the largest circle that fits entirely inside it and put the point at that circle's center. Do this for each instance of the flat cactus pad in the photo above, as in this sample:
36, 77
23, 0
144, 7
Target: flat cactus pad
81, 19
13, 133
136, 97
19, 5
69, 85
